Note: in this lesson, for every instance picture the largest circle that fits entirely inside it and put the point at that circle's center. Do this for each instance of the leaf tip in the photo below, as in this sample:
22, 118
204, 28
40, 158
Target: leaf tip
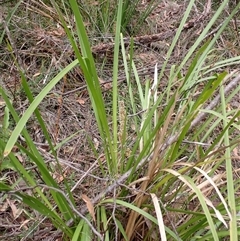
6, 153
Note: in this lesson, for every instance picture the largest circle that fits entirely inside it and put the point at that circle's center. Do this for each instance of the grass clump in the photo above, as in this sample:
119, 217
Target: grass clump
162, 159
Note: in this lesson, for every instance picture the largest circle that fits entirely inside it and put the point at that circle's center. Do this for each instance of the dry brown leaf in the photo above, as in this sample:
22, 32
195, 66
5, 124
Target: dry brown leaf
24, 224
4, 207
36, 75
235, 152
89, 204
102, 159
81, 101
58, 177
95, 3
19, 157
59, 32
107, 86
15, 211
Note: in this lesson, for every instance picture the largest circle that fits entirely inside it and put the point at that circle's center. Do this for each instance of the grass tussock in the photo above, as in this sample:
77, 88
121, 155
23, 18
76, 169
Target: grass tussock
119, 120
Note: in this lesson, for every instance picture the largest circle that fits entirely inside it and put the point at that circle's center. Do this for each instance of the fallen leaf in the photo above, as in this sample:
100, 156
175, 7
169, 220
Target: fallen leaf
36, 75
4, 207
24, 224
89, 204
19, 157
15, 211
81, 101
58, 177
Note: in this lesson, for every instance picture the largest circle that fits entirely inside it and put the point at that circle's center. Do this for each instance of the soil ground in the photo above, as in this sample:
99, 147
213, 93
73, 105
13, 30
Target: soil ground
42, 49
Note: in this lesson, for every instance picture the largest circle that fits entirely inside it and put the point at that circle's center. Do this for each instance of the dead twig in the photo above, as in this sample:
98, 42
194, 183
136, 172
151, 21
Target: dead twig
147, 39
233, 84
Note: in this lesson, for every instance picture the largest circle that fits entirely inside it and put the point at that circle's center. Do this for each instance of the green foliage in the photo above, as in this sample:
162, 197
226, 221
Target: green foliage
102, 15
168, 166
